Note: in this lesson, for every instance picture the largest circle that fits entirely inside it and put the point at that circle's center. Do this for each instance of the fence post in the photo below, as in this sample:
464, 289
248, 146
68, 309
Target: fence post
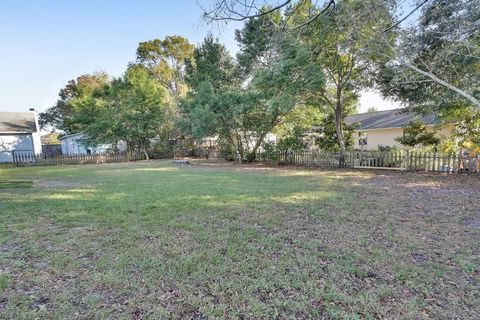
424, 161
407, 160
470, 163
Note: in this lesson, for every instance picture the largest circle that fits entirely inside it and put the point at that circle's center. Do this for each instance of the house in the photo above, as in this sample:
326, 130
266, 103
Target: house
19, 132
74, 144
380, 128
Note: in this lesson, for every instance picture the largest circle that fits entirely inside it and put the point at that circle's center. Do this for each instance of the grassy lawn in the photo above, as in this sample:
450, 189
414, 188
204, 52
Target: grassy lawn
147, 240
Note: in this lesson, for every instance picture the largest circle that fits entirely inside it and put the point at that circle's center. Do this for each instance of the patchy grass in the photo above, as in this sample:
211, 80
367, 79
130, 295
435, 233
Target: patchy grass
12, 184
147, 240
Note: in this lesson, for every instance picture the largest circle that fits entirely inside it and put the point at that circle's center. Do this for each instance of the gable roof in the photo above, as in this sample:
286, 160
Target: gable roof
71, 136
396, 118
18, 122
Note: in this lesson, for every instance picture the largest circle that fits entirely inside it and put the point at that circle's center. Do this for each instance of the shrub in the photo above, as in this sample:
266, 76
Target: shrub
271, 152
227, 151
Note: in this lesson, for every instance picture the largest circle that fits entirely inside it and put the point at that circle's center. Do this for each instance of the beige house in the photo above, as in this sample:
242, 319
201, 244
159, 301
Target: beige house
374, 129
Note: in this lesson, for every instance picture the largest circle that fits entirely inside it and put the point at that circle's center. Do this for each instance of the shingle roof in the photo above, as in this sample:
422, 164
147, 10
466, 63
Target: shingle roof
70, 135
17, 122
397, 118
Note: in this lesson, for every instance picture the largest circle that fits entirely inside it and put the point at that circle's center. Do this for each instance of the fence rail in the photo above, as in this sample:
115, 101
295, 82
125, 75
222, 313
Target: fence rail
23, 159
415, 161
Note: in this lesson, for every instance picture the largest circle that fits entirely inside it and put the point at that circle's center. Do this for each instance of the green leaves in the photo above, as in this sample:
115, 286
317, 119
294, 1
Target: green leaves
166, 60
437, 65
416, 133
132, 108
75, 98
211, 63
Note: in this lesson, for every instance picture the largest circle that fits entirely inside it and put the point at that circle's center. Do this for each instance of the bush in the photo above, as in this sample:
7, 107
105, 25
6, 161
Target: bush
384, 148
251, 157
161, 150
180, 151
271, 153
227, 152
293, 143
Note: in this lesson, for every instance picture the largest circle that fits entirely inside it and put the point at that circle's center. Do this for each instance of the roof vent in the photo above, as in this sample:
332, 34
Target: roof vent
31, 109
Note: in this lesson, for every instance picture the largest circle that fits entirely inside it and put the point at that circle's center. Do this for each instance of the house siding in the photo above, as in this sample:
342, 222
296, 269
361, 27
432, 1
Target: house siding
72, 144
15, 142
386, 137
19, 133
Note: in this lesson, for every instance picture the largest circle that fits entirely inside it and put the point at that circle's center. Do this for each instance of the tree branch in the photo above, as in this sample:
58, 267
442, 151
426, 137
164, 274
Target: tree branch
405, 17
464, 94
212, 15
331, 3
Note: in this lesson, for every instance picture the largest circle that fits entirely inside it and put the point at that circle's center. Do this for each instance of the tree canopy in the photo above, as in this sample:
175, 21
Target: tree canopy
166, 60
294, 57
64, 114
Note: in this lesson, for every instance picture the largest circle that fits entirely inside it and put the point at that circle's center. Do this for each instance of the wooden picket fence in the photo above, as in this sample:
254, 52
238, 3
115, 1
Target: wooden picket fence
22, 159
406, 160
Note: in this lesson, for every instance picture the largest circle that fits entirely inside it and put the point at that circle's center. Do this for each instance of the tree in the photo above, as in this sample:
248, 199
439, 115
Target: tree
278, 76
282, 85
211, 63
372, 109
296, 131
436, 66
63, 115
416, 133
166, 60
232, 10
468, 132
243, 106
134, 110
257, 49
345, 43
439, 68
327, 134
214, 106
437, 62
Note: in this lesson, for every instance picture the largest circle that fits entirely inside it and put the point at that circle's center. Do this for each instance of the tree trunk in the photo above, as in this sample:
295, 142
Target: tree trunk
257, 145
339, 129
340, 136
239, 147
145, 153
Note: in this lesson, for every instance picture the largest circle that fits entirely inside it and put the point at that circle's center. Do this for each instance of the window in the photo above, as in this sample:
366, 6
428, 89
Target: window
362, 138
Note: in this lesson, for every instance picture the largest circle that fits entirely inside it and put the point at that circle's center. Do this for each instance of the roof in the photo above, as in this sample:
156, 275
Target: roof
71, 136
396, 118
18, 122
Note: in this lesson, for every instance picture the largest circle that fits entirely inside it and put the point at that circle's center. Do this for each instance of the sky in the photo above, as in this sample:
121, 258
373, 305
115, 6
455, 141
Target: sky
47, 43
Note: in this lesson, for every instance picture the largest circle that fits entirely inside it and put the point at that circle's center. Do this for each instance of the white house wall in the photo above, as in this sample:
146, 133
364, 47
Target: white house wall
18, 143
73, 145
37, 142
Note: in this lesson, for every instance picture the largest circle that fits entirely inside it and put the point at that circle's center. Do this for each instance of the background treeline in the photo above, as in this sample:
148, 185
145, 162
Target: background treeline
300, 67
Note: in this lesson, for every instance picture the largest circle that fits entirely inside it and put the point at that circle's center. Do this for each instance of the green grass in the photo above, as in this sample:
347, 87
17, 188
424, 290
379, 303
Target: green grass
147, 240
12, 184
